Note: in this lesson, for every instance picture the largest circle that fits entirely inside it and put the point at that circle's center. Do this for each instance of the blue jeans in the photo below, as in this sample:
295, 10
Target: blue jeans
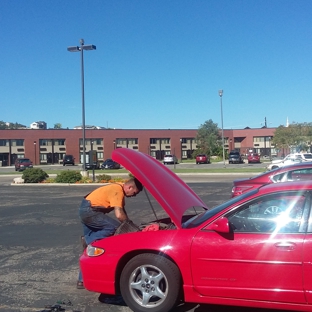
96, 224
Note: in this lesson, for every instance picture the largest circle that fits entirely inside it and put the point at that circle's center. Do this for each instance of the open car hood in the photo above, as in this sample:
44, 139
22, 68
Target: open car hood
167, 188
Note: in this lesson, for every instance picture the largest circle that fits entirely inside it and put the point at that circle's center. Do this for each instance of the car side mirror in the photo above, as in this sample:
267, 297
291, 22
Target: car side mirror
221, 225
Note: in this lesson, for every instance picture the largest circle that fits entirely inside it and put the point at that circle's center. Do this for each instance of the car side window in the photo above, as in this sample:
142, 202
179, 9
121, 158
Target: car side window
271, 214
302, 174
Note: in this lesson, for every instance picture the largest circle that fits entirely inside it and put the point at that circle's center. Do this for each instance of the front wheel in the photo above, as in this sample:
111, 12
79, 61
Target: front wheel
150, 283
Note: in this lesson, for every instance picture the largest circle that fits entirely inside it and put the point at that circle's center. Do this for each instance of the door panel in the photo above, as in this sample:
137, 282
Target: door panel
261, 259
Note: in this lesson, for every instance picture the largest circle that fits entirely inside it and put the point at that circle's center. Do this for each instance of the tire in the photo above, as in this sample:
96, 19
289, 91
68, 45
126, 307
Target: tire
150, 283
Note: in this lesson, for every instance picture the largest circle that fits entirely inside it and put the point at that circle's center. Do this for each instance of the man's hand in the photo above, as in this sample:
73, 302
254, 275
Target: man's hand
120, 214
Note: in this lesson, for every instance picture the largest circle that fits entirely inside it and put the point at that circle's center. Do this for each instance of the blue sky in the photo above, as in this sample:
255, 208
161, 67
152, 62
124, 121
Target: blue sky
158, 64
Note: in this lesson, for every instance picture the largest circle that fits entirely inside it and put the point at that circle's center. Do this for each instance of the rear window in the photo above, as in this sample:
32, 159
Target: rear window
307, 156
24, 160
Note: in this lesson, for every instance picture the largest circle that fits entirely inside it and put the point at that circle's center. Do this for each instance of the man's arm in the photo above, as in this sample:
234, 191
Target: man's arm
120, 214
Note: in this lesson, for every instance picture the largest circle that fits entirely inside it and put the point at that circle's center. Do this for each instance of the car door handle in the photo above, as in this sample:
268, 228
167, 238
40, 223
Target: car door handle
286, 245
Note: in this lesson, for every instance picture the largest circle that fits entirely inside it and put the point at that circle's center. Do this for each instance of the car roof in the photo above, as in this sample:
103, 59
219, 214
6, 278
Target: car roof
300, 165
265, 175
174, 195
286, 186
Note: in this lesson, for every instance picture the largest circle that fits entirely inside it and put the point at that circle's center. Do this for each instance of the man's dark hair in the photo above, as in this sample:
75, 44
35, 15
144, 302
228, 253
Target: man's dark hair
138, 184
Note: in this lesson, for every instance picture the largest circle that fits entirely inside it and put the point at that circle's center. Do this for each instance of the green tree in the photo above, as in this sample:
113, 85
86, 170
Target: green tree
2, 125
297, 136
208, 139
10, 125
57, 126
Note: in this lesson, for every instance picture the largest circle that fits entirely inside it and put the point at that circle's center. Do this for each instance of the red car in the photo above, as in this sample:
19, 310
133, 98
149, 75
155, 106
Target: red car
202, 159
252, 251
299, 171
253, 158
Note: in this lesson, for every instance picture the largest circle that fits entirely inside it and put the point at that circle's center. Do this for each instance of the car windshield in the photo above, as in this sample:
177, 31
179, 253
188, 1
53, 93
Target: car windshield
307, 156
201, 218
24, 160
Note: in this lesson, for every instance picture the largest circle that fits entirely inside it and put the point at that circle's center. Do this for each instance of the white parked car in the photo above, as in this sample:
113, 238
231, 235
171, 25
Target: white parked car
289, 160
170, 159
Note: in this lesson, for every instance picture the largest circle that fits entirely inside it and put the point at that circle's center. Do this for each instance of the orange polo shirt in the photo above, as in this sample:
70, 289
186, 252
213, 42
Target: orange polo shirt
107, 196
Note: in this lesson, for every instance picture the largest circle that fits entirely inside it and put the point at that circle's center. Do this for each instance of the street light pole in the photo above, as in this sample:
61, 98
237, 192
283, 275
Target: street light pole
220, 94
181, 149
35, 143
92, 161
80, 49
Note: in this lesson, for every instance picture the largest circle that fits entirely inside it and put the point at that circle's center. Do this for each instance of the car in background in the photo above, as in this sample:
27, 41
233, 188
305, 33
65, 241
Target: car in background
235, 158
253, 158
289, 160
296, 172
68, 160
306, 156
21, 164
252, 251
95, 165
202, 159
170, 159
110, 164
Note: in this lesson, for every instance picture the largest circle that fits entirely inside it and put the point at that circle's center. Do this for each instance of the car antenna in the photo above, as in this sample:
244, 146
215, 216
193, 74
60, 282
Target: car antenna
150, 203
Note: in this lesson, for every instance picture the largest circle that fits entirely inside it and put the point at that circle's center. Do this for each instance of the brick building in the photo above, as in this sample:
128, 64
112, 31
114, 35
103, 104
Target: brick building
48, 146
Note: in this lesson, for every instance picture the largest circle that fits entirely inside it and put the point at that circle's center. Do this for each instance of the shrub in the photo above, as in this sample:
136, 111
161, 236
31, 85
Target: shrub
34, 175
68, 176
103, 178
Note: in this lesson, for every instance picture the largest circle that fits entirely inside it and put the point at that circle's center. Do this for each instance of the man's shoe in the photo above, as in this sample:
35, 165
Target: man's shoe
83, 243
80, 285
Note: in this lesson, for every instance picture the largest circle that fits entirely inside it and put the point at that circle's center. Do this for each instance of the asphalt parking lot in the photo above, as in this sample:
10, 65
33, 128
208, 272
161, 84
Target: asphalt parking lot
40, 247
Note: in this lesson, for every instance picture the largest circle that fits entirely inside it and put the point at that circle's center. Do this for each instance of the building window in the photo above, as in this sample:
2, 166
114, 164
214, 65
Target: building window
121, 141
18, 142
44, 142
43, 157
258, 139
165, 141
4, 143
153, 141
59, 142
133, 141
98, 141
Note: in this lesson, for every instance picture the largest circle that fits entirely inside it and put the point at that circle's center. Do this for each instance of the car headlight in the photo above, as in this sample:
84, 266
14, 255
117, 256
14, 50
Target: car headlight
94, 251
